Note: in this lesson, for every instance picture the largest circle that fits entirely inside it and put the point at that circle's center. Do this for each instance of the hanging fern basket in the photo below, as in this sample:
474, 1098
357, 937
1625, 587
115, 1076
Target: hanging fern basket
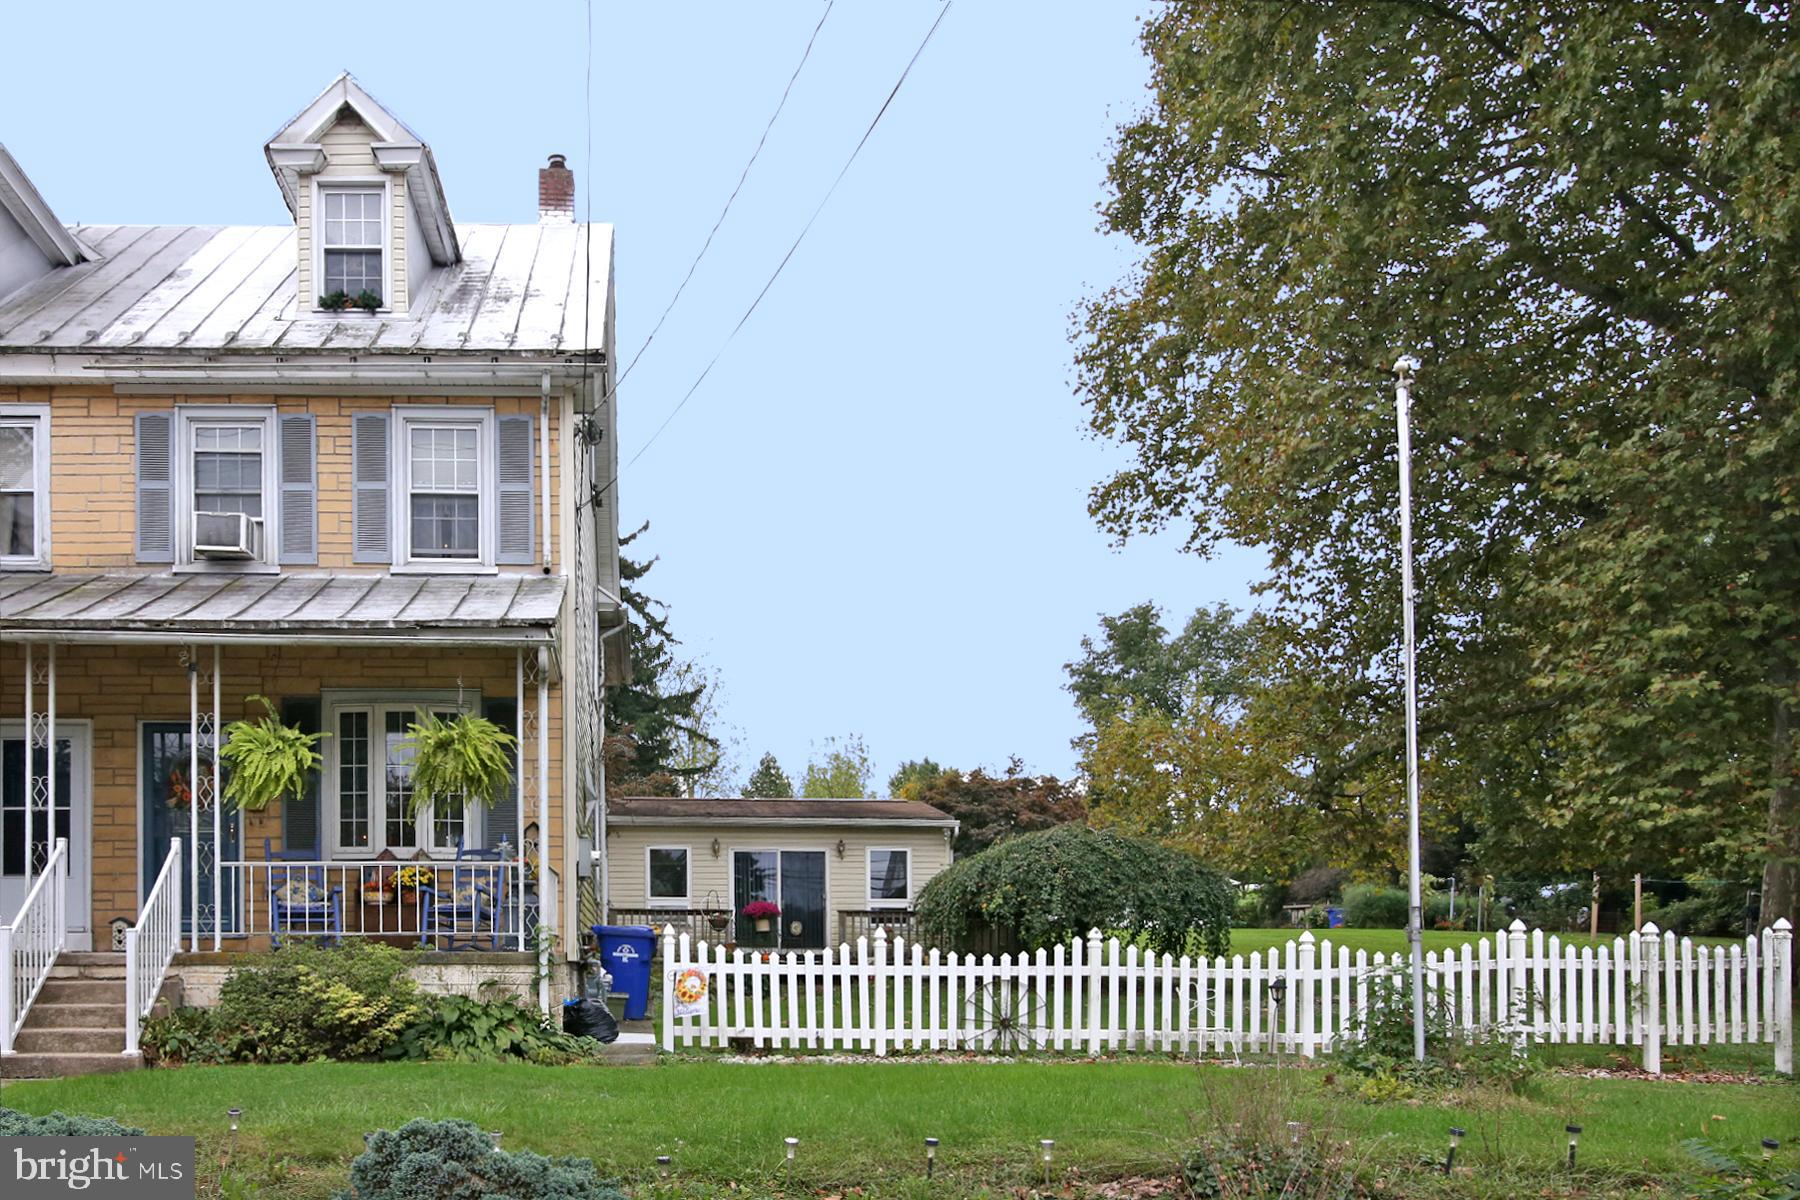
463, 760
269, 761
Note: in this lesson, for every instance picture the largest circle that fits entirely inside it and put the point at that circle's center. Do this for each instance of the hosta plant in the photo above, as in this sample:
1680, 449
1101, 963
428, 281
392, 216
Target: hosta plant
466, 759
269, 760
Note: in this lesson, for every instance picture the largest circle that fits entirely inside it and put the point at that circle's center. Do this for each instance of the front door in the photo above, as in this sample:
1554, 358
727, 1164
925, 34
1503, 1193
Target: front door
163, 772
74, 820
792, 879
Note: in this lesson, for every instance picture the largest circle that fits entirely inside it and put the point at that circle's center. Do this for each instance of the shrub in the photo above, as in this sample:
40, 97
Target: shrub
1230, 1166
459, 1027
14, 1123
306, 1003
1057, 884
187, 1035
1709, 910
439, 1160
1316, 883
1367, 906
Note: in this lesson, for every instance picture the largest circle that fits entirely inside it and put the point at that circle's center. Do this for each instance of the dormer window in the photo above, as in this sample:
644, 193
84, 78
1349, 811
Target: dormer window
353, 242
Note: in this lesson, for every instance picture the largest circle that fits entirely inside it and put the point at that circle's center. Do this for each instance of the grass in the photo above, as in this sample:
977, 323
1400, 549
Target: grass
863, 1124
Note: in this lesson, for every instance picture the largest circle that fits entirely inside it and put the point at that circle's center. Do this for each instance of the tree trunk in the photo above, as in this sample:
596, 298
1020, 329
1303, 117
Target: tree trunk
1781, 872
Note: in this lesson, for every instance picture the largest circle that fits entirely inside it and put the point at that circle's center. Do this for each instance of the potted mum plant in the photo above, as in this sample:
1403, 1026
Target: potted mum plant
269, 760
464, 760
761, 914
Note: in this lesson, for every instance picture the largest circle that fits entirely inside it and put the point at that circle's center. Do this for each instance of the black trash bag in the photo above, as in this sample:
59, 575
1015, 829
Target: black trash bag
590, 1018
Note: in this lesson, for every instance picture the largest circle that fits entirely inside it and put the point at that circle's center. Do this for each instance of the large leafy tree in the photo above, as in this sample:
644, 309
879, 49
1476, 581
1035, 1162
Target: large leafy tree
840, 770
1581, 218
992, 808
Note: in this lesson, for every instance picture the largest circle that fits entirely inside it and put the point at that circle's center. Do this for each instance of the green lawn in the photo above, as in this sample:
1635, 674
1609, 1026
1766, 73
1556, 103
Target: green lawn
863, 1124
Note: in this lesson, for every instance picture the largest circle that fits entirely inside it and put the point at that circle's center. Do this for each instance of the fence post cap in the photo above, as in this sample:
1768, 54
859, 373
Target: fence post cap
881, 933
1518, 926
1094, 934
1782, 925
1306, 935
1649, 929
669, 930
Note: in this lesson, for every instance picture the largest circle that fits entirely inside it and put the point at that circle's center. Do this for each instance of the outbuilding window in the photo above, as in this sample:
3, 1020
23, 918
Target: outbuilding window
890, 878
668, 875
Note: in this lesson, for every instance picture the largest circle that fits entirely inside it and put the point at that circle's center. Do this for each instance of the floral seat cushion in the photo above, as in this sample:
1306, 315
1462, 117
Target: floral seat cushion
299, 890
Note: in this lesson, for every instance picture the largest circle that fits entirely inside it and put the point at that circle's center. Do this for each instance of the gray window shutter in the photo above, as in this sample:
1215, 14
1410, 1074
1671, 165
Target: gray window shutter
371, 541
501, 822
518, 542
299, 491
155, 493
300, 817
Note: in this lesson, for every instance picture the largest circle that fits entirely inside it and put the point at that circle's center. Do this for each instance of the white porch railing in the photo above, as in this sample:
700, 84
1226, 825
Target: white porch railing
151, 945
1090, 997
29, 946
467, 904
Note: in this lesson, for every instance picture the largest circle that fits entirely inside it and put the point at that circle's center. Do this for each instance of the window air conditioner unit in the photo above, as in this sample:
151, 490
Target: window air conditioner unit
226, 535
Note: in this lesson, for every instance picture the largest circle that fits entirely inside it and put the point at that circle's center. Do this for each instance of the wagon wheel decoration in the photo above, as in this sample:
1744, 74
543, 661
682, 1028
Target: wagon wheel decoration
1011, 1017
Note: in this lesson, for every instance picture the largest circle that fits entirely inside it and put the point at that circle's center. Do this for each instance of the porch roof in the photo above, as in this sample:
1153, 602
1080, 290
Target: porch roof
315, 606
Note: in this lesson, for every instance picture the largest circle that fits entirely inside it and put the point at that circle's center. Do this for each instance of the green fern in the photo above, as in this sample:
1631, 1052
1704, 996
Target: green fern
465, 759
269, 759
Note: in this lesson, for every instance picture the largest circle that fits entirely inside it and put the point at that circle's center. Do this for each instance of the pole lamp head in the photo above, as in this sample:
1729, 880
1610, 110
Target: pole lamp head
1278, 989
1405, 365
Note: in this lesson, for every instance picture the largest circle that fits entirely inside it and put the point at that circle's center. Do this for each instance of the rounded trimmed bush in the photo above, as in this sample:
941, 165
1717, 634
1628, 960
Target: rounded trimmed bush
1048, 887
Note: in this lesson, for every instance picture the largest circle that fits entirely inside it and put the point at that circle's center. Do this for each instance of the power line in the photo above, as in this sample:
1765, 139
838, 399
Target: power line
801, 65
786, 258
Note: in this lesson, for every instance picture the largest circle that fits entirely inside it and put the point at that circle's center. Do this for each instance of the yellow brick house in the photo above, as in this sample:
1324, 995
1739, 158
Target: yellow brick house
361, 464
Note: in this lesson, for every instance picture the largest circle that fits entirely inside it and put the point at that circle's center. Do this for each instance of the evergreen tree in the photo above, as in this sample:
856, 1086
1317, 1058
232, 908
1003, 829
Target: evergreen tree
768, 781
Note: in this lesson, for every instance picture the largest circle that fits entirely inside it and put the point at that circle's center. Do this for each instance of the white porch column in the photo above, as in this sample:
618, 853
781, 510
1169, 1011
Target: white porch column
30, 755
546, 894
49, 782
218, 808
192, 658
520, 783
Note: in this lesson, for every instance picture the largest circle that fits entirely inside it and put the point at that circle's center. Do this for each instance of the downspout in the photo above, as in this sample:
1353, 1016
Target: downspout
544, 457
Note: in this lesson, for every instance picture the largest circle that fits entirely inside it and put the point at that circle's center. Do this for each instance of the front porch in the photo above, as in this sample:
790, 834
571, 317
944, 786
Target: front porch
120, 836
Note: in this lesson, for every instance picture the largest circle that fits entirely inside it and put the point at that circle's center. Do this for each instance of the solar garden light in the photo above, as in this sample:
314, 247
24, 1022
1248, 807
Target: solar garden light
234, 1114
931, 1145
1770, 1146
1456, 1137
793, 1145
662, 1167
1047, 1148
494, 1137
1574, 1132
1294, 1129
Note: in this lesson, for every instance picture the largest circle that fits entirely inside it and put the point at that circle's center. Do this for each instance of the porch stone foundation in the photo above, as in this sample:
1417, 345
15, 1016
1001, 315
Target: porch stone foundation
463, 973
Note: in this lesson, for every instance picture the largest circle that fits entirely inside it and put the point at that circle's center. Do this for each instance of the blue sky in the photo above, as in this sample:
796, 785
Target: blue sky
872, 516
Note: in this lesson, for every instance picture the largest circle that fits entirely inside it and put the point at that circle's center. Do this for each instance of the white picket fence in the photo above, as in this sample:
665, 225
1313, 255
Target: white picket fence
1096, 997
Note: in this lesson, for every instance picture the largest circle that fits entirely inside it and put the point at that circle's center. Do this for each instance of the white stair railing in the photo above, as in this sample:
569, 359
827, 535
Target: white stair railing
29, 946
151, 945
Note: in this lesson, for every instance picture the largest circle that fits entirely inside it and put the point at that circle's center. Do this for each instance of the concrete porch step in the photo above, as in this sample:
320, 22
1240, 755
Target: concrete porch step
85, 965
60, 1066
82, 991
63, 1039
75, 1016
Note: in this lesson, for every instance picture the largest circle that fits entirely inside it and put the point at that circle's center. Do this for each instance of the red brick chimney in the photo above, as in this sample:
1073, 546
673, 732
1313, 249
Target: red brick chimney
556, 193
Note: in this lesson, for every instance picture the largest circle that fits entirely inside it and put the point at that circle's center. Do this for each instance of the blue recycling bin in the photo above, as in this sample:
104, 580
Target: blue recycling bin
1334, 918
626, 952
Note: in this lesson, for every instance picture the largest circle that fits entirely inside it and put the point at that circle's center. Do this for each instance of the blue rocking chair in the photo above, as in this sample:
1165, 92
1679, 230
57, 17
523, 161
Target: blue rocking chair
300, 903
469, 909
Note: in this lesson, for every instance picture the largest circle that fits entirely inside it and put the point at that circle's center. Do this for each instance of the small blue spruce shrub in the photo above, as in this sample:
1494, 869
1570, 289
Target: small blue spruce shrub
455, 1160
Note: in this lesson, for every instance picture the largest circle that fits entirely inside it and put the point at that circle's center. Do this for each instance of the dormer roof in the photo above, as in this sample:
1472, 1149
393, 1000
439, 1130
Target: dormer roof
297, 151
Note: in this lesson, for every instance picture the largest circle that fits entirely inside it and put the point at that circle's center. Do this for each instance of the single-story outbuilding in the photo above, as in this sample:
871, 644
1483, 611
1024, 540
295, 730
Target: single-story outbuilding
836, 869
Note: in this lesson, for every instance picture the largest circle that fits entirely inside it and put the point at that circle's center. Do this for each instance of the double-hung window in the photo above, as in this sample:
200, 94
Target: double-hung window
446, 497
371, 772
353, 241
667, 870
890, 878
24, 487
226, 473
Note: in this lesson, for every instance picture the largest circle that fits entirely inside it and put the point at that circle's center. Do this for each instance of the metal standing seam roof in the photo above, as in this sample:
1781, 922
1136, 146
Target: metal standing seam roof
227, 289
658, 808
292, 603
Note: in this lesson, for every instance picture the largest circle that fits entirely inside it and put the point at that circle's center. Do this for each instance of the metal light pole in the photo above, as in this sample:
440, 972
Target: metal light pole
1403, 372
